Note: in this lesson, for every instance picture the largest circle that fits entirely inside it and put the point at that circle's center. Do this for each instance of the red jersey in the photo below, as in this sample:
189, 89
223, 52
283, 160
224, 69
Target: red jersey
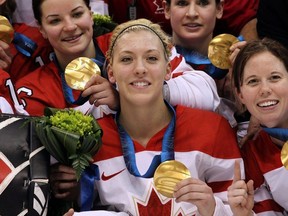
43, 87
263, 165
5, 97
198, 144
40, 51
235, 15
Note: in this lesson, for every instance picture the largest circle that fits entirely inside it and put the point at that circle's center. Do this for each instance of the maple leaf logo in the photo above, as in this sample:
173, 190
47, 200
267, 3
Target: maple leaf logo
154, 206
159, 9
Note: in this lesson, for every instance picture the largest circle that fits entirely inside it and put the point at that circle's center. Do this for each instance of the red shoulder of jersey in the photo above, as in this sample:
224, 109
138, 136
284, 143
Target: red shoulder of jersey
103, 42
40, 56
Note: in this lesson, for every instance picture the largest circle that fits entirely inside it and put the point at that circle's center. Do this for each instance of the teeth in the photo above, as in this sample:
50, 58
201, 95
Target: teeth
267, 103
71, 38
140, 84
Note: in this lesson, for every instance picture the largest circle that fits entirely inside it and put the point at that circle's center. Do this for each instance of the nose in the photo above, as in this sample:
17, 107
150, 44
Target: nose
69, 25
192, 10
265, 90
140, 68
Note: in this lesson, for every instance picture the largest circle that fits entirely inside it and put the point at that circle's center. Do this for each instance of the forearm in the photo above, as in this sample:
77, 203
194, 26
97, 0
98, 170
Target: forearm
194, 89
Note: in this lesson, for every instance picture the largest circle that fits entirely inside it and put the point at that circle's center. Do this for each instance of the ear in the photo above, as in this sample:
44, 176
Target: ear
42, 31
220, 8
240, 96
111, 74
168, 71
166, 9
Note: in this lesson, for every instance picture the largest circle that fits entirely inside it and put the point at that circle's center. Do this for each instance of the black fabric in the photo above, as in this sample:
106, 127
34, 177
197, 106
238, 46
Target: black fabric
272, 20
24, 165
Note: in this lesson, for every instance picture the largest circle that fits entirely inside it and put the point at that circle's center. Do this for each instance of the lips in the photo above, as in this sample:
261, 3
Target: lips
192, 25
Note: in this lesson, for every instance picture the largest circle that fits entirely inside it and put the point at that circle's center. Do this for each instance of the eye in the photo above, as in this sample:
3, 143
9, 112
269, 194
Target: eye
275, 78
252, 82
182, 3
78, 14
126, 59
152, 59
203, 2
54, 21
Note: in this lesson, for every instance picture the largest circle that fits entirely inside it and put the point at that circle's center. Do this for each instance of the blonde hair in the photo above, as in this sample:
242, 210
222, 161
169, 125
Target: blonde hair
137, 25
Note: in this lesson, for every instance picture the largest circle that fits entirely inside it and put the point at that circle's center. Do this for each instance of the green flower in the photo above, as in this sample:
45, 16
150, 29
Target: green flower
102, 24
69, 136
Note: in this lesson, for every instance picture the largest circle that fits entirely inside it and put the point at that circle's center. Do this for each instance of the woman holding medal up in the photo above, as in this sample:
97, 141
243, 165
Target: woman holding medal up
260, 76
193, 23
148, 137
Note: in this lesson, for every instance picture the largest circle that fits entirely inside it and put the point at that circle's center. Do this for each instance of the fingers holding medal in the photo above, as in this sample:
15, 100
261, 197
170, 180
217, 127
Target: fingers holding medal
168, 174
219, 50
79, 71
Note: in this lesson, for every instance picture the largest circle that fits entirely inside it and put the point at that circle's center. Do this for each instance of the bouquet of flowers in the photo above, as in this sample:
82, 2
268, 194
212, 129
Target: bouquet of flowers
69, 136
102, 24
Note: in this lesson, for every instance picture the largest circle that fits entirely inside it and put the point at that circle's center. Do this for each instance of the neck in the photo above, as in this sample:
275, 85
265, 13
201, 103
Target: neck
141, 123
198, 45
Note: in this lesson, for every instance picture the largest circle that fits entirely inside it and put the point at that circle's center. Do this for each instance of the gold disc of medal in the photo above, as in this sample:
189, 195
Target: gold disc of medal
6, 30
218, 50
79, 71
167, 175
284, 155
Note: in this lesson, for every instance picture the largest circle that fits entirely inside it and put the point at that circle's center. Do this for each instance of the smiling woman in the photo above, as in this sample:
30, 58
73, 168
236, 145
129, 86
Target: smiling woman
68, 25
260, 76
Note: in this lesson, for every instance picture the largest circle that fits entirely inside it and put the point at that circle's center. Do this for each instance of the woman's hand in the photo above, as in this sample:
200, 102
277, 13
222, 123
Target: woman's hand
5, 55
63, 182
241, 194
197, 192
69, 213
101, 92
235, 49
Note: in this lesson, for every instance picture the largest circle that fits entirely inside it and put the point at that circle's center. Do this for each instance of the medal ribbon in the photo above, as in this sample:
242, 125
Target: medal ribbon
24, 45
88, 177
201, 62
278, 133
167, 152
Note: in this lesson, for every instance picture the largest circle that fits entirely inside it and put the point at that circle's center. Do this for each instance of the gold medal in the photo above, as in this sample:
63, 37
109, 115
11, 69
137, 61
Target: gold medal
284, 155
79, 71
168, 174
218, 50
6, 30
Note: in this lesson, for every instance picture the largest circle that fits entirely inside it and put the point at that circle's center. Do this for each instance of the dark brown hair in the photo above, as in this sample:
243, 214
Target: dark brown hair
7, 8
36, 5
252, 48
